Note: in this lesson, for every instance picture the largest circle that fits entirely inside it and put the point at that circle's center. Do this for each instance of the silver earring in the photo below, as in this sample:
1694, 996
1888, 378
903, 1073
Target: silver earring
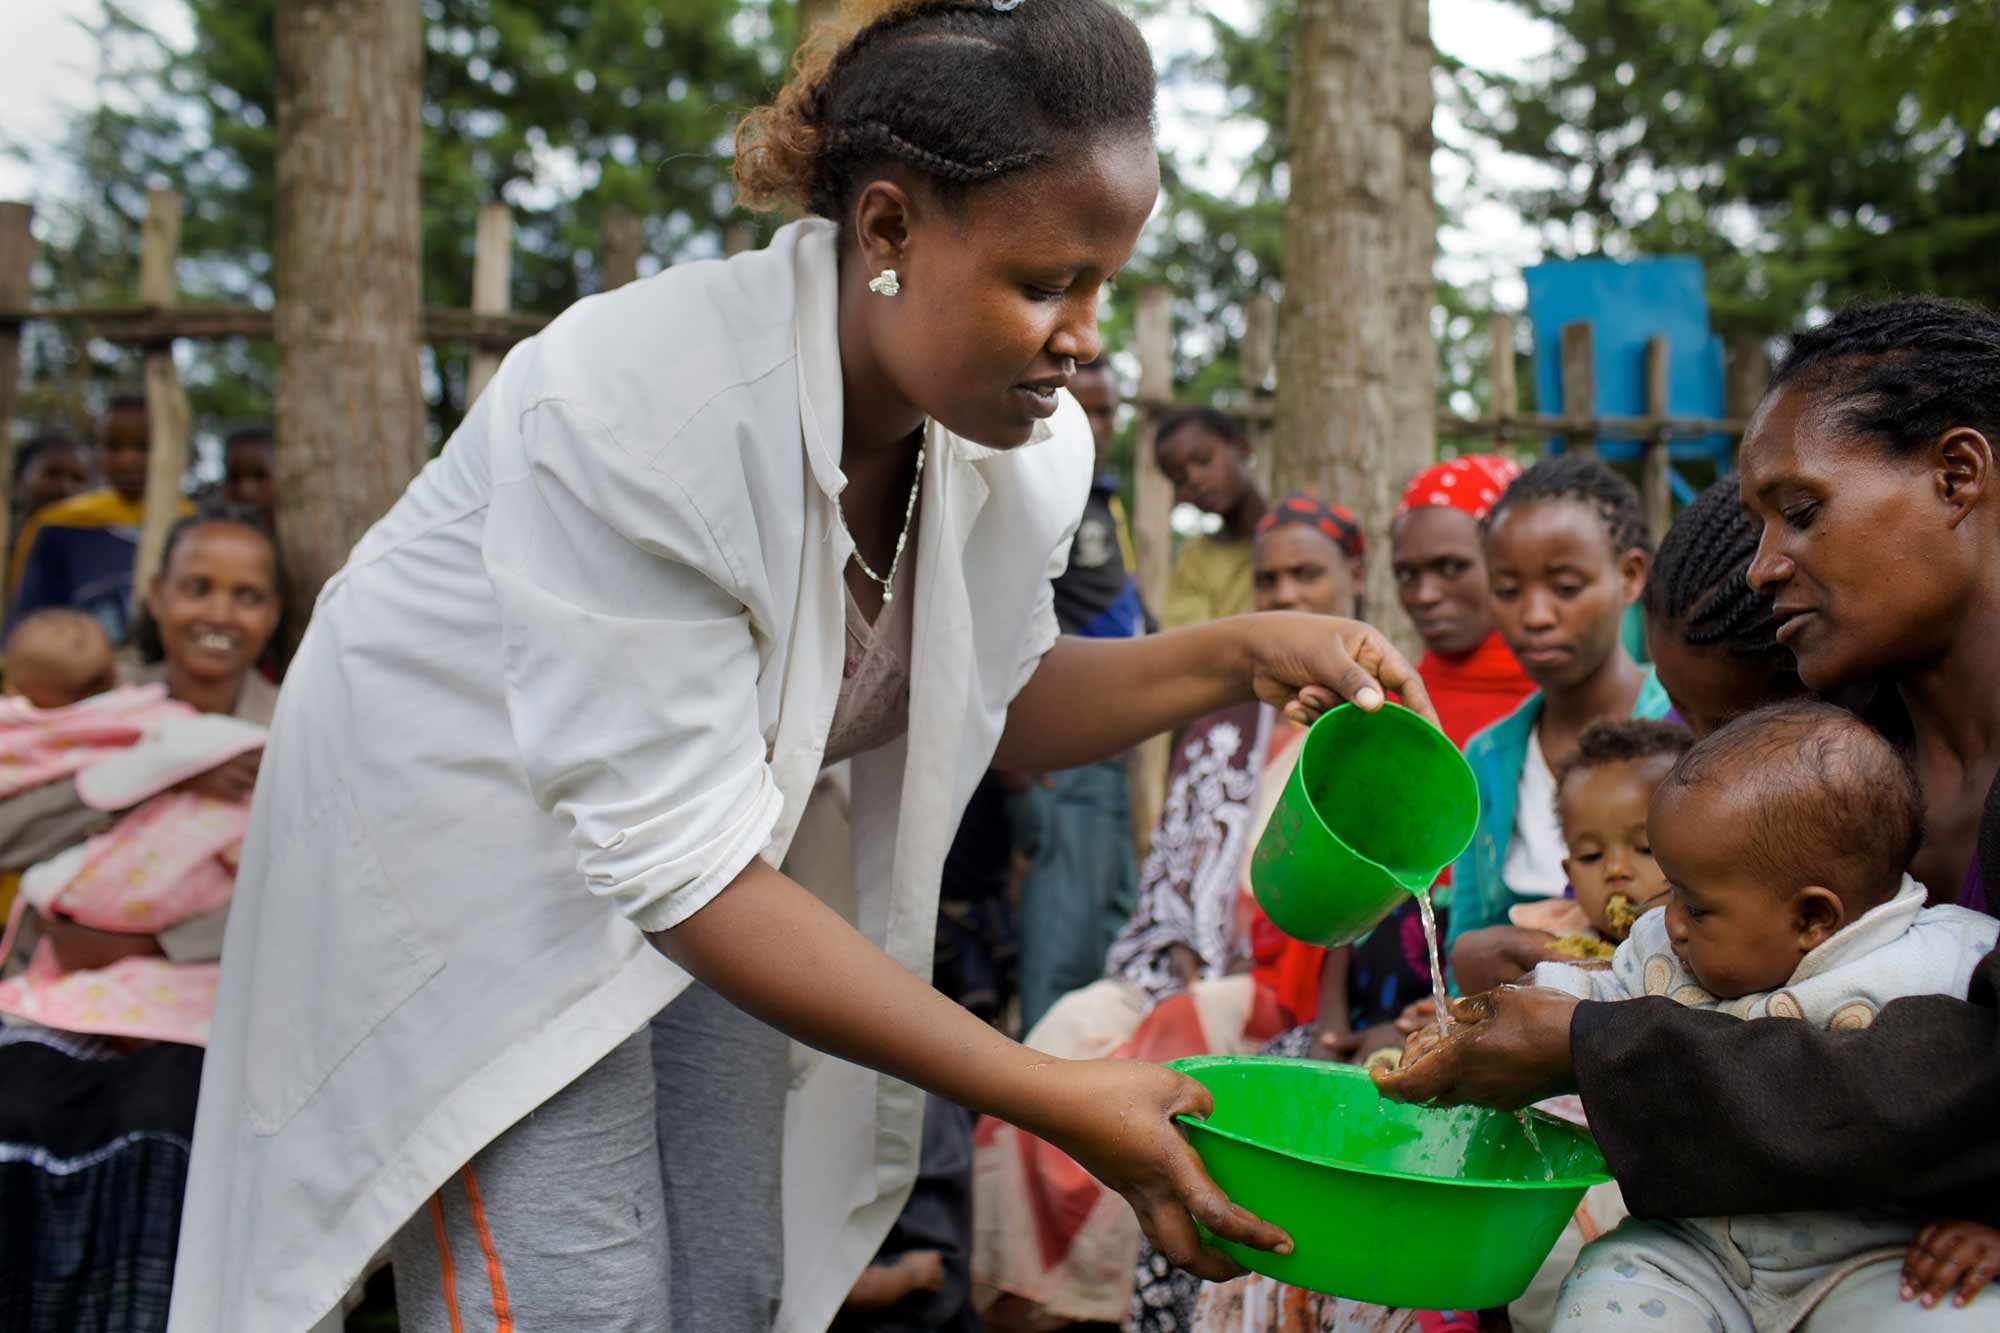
884, 283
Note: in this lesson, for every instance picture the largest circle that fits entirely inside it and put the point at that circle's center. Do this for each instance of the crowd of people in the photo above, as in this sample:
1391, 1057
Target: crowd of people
130, 742
765, 641
1745, 824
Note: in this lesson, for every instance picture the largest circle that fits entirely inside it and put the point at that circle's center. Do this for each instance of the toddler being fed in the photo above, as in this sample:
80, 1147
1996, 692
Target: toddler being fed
1784, 838
1602, 794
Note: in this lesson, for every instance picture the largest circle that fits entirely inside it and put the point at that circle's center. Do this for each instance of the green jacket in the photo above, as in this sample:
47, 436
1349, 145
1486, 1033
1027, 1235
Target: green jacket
1479, 897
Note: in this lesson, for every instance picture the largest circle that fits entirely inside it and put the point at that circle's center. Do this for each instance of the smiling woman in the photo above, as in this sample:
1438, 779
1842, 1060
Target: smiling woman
502, 977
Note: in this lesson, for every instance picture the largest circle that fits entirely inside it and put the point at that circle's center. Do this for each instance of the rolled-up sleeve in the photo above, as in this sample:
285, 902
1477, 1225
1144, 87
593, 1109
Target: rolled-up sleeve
631, 670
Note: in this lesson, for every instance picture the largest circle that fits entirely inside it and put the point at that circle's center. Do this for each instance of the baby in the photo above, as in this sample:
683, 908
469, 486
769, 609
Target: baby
1602, 792
59, 657
1784, 837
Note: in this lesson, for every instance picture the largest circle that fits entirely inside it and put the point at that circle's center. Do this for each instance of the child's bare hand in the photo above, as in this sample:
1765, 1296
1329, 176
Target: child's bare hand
1116, 1119
1949, 1254
924, 1268
1416, 1015
231, 780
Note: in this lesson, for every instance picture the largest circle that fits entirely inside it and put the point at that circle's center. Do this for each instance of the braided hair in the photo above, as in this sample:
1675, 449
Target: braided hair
961, 92
1698, 584
1904, 371
1587, 481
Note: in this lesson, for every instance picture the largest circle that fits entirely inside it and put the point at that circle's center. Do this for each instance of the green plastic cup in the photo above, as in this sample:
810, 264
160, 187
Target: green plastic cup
1376, 806
1412, 1206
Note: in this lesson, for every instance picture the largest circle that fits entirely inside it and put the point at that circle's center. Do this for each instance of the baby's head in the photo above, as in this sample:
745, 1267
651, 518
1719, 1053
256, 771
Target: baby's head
1602, 792
1775, 832
59, 657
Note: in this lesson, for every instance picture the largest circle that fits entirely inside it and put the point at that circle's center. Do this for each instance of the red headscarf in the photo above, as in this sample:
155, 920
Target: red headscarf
1312, 509
1470, 484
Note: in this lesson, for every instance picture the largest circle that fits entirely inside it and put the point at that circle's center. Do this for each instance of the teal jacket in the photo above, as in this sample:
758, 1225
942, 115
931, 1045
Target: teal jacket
1479, 897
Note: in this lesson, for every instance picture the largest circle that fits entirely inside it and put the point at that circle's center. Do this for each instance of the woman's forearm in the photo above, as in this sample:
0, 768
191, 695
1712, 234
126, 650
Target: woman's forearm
776, 952
1094, 698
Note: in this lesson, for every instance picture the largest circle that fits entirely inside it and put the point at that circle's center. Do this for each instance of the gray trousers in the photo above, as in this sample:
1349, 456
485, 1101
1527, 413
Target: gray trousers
1664, 1279
642, 1198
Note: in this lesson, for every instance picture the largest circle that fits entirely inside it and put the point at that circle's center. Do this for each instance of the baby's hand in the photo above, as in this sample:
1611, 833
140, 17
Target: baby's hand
1950, 1254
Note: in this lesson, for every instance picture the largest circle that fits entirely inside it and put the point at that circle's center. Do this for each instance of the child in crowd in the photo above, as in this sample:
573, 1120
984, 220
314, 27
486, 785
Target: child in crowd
59, 657
1206, 455
1565, 556
1602, 792
1785, 837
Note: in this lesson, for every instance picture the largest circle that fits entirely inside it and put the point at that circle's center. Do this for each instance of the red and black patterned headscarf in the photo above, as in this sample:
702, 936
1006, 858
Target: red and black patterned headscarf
1310, 507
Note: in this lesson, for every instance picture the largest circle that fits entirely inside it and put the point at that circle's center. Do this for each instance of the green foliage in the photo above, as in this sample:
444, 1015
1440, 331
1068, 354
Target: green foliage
1810, 152
1215, 248
563, 109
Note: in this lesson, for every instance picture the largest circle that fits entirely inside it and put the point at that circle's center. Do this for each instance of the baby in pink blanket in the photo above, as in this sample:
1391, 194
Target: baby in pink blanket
168, 860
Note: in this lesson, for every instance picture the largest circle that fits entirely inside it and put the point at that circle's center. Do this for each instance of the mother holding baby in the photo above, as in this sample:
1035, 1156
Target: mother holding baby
510, 924
1873, 471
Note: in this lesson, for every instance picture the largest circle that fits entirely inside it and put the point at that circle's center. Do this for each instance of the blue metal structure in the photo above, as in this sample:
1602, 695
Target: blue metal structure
1626, 303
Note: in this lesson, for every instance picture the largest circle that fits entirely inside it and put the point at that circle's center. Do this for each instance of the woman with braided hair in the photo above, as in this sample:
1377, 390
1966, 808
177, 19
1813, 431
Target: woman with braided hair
1712, 637
515, 957
1869, 475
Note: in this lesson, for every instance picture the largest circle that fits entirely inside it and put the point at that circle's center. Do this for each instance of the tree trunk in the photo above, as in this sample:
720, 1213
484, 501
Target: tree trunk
346, 275
1357, 360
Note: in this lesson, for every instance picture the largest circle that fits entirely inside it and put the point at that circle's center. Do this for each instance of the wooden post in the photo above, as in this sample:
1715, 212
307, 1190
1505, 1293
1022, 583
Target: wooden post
168, 420
492, 280
1356, 411
1506, 388
1152, 535
623, 239
347, 275
17, 255
1656, 471
1579, 385
1259, 355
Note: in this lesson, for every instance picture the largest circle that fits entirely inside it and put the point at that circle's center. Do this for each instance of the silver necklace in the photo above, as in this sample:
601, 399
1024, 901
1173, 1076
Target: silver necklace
902, 538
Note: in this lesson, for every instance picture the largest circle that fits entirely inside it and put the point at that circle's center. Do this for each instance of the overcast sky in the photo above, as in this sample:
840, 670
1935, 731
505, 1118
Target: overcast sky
48, 65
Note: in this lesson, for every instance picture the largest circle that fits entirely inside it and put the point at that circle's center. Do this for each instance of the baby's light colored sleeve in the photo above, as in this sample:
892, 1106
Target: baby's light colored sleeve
631, 669
1586, 983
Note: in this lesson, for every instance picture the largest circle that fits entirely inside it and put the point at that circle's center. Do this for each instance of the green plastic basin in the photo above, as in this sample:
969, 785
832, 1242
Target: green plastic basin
1426, 1208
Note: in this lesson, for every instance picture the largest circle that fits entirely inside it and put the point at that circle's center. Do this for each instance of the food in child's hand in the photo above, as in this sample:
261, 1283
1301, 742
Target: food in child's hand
1583, 946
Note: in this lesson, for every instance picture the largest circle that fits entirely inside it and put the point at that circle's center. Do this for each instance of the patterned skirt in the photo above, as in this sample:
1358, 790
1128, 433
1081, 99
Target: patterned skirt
93, 1161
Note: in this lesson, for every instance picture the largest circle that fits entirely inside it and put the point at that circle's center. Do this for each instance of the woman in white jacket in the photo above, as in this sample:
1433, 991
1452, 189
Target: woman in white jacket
552, 728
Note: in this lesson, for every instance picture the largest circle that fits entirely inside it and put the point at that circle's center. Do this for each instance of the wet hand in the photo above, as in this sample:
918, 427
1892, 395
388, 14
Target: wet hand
1416, 1015
1305, 664
1950, 1254
1116, 1120
1506, 1049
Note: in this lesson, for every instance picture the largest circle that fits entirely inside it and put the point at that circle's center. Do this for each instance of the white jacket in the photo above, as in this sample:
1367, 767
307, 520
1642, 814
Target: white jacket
575, 680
